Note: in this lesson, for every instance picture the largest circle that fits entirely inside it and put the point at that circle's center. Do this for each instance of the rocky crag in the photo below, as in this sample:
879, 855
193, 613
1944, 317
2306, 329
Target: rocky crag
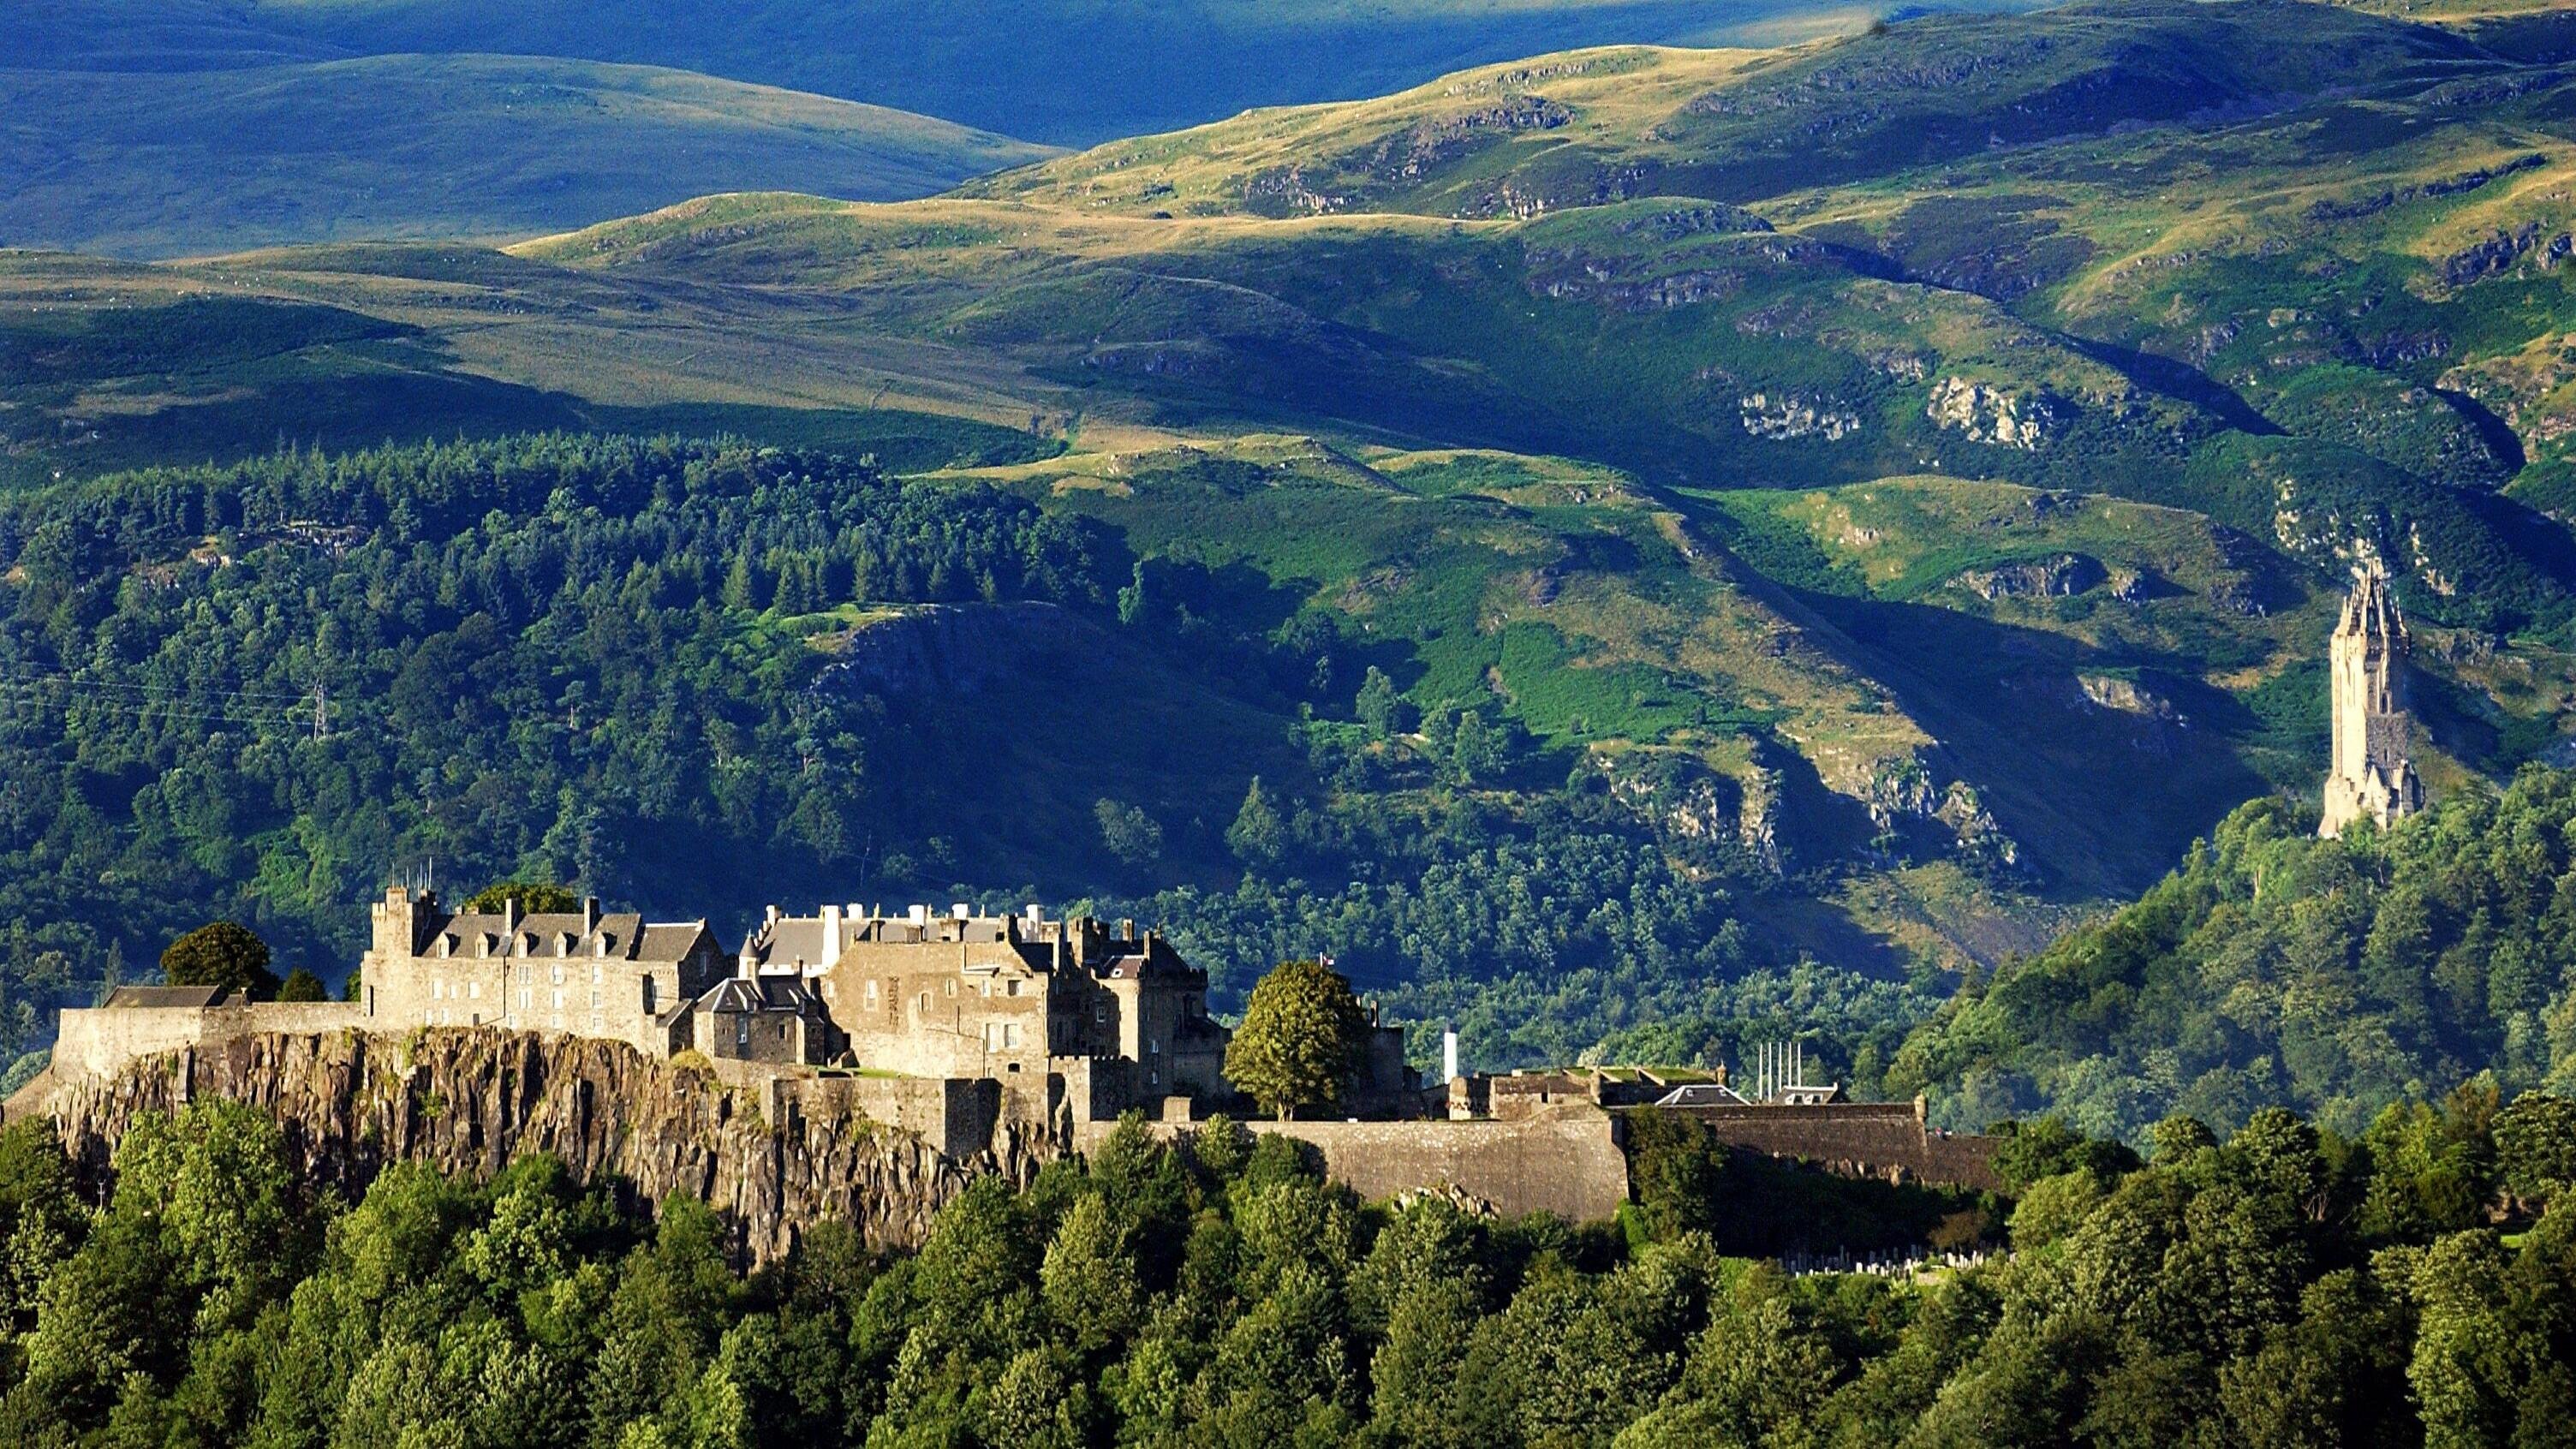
772, 1162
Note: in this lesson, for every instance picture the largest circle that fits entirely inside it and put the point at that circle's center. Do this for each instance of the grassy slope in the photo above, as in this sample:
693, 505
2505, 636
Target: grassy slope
135, 163
1381, 409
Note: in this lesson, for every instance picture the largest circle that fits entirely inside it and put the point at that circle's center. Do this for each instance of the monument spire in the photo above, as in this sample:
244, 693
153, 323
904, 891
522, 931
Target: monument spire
2372, 775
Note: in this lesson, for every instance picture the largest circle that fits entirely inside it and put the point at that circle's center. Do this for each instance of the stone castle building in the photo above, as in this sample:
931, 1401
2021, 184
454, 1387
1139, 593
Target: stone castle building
2372, 776
616, 976
1087, 1017
966, 995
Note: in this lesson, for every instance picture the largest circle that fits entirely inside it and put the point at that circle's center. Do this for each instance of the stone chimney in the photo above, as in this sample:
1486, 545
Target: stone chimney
589, 914
831, 937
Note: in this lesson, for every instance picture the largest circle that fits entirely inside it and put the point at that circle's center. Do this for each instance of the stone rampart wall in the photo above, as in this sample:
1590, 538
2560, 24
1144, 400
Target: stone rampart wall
100, 1041
1569, 1164
1884, 1140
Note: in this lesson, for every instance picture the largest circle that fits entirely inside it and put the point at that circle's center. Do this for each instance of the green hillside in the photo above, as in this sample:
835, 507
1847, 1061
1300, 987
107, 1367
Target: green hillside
220, 157
2274, 967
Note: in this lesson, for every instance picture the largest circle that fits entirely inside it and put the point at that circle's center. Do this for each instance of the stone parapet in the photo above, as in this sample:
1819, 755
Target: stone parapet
1568, 1163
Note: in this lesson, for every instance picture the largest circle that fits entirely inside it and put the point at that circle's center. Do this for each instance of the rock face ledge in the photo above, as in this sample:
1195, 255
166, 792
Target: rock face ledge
468, 1101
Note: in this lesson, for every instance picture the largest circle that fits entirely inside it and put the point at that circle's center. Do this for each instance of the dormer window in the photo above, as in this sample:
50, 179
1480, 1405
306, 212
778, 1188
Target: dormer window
484, 942
528, 944
446, 946
599, 944
563, 944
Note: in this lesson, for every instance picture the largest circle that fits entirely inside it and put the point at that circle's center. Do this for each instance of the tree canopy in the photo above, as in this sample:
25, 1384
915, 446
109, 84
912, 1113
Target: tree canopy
2275, 968
2280, 1284
531, 897
1300, 1041
221, 953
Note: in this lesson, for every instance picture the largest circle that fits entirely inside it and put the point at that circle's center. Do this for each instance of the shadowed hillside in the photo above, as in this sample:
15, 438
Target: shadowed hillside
234, 148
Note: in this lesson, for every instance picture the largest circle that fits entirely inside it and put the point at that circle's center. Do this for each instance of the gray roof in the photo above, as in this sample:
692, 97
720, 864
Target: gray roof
628, 937
768, 993
165, 996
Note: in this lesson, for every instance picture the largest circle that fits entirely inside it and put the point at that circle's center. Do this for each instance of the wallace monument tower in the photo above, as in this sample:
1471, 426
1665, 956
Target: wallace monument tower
2372, 777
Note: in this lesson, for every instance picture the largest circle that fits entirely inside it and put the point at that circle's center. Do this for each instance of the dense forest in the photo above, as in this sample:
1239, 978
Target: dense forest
2285, 1286
642, 668
2276, 968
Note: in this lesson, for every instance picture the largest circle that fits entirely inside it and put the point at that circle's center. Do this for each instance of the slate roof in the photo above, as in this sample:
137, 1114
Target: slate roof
629, 937
768, 993
166, 996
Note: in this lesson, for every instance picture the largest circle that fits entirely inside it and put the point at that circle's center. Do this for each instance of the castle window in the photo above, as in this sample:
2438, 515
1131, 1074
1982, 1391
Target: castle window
782, 1031
598, 973
742, 1031
1099, 1015
648, 995
483, 943
599, 945
446, 946
527, 998
872, 995
1011, 988
925, 1003
558, 976
528, 944
952, 986
1153, 1079
474, 989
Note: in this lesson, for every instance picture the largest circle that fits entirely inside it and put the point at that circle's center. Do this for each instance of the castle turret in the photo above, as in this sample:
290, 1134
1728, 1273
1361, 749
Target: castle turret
2372, 775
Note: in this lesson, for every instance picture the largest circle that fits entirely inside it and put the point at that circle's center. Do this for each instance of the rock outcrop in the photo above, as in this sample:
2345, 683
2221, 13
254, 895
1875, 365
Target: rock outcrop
2059, 576
1995, 417
468, 1101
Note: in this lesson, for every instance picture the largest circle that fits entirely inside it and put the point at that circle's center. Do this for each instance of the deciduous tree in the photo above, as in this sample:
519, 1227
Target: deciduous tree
1300, 1040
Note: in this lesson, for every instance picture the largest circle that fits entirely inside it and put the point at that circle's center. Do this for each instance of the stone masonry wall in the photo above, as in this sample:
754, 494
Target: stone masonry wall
1884, 1140
101, 1041
1568, 1164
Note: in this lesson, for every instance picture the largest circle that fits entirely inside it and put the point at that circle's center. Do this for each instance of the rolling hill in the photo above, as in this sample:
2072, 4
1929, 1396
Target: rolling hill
1077, 71
219, 139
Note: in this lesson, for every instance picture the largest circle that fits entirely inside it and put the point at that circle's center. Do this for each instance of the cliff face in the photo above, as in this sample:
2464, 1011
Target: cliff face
469, 1101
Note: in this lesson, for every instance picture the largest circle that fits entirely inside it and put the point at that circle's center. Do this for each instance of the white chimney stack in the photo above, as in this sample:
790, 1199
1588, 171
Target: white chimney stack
1448, 1056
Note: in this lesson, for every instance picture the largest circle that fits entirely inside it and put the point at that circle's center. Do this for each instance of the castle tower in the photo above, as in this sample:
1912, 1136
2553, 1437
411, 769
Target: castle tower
2372, 776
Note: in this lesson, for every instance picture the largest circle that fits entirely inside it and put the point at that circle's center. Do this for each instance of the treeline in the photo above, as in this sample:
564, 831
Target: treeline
2283, 1286
2274, 967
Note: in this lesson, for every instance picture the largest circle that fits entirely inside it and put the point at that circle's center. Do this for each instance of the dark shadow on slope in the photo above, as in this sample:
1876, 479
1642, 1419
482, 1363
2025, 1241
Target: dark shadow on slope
2498, 436
2105, 795
2177, 380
